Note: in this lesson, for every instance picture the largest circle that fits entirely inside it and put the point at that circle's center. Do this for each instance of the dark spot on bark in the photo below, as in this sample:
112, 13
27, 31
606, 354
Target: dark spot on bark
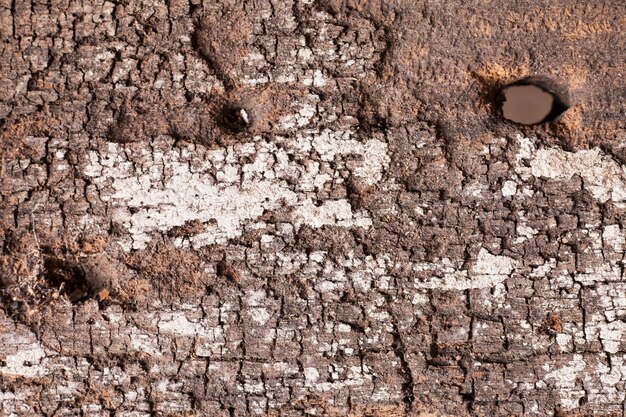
532, 100
116, 229
236, 119
552, 324
68, 277
227, 270
190, 228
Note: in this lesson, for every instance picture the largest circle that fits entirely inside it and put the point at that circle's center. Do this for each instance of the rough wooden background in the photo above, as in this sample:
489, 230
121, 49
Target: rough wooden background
378, 242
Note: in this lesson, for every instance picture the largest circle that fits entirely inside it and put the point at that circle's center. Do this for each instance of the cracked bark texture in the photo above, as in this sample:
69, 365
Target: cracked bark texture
376, 242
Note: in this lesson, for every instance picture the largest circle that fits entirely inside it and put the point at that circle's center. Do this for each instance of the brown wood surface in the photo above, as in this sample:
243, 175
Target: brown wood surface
370, 238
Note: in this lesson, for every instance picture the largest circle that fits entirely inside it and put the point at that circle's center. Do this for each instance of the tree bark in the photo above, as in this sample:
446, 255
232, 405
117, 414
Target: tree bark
290, 208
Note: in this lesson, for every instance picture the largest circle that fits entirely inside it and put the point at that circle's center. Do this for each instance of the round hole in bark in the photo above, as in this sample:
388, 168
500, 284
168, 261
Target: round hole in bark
236, 118
532, 100
66, 276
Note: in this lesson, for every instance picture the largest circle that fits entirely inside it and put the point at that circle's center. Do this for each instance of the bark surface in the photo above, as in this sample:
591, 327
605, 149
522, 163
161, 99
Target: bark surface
294, 208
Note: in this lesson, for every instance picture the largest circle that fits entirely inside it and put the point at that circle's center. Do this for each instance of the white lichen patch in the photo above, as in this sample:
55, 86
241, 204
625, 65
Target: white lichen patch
143, 342
488, 271
155, 187
26, 362
177, 323
509, 188
564, 378
311, 375
578, 378
373, 152
488, 264
331, 212
613, 336
601, 174
614, 237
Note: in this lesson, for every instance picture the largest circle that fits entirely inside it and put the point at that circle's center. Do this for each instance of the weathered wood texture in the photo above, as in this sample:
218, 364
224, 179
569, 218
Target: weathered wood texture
373, 241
